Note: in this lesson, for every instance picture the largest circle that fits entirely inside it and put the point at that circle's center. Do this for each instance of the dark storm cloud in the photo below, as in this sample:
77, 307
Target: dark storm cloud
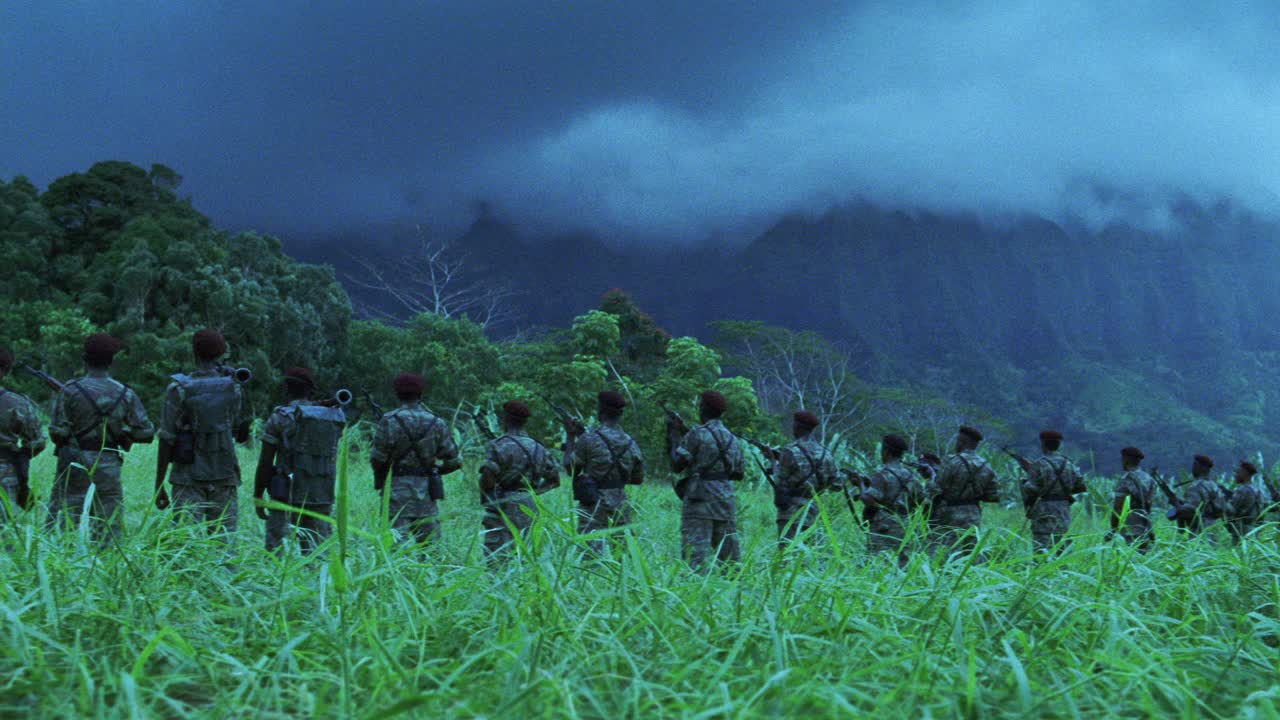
667, 119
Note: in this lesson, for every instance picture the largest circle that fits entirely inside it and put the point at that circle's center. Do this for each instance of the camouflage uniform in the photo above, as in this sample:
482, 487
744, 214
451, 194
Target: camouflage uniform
518, 463
306, 437
205, 407
708, 516
896, 492
1245, 511
1202, 506
1048, 492
92, 418
608, 460
414, 443
20, 432
805, 468
964, 481
1140, 489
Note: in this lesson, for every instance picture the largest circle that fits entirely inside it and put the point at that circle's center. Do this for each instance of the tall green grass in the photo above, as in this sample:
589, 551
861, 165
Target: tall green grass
161, 625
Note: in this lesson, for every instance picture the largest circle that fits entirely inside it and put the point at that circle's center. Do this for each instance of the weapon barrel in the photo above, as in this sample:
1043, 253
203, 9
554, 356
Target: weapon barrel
44, 376
240, 375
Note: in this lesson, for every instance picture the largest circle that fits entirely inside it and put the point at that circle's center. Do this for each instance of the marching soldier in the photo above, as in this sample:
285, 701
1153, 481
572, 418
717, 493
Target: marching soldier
1052, 483
416, 449
1136, 489
713, 457
602, 461
298, 465
890, 497
200, 424
1244, 513
21, 438
516, 468
964, 481
96, 419
1204, 503
804, 469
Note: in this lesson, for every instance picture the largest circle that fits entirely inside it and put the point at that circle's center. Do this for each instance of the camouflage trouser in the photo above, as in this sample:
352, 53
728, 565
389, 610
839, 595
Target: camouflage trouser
954, 528
700, 536
215, 506
517, 509
795, 520
887, 534
413, 513
1238, 529
1050, 520
611, 510
311, 530
8, 497
1137, 530
71, 487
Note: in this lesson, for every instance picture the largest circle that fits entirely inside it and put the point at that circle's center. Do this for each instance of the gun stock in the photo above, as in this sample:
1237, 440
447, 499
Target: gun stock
44, 376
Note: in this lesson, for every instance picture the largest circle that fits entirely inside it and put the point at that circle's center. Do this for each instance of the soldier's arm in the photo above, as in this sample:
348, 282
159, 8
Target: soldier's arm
140, 428
737, 461
263, 474
59, 422
490, 469
990, 487
169, 415
549, 471
575, 458
447, 459
637, 467
874, 493
240, 431
380, 453
30, 429
1077, 480
683, 455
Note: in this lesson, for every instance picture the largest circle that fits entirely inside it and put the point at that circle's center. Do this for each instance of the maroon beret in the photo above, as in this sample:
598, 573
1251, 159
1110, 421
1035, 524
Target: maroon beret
931, 459
1249, 467
1132, 452
971, 432
1204, 460
714, 403
101, 348
300, 375
894, 444
806, 418
407, 383
208, 344
611, 399
516, 409
6, 359
1051, 436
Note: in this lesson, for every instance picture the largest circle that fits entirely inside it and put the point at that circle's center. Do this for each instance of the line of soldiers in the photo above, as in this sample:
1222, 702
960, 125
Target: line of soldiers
95, 419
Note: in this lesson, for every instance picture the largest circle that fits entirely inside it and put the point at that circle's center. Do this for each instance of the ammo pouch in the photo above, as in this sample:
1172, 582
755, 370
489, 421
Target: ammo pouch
184, 447
435, 486
278, 489
780, 497
586, 492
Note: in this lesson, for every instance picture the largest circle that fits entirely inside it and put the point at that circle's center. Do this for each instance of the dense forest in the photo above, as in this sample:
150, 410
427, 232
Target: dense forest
877, 319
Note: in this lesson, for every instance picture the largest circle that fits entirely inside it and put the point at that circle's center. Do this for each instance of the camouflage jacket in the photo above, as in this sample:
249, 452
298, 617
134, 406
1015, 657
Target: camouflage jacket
216, 460
965, 479
313, 471
96, 412
519, 463
1205, 501
714, 458
413, 442
1053, 478
608, 456
894, 490
1245, 510
805, 468
20, 429
1140, 488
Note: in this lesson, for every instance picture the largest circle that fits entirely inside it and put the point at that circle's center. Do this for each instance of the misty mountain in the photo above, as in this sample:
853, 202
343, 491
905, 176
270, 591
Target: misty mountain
1117, 335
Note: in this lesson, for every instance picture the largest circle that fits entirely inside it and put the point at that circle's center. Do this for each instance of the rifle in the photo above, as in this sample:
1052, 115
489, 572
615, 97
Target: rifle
676, 429
572, 425
860, 482
926, 471
1174, 501
482, 426
46, 377
1022, 460
373, 405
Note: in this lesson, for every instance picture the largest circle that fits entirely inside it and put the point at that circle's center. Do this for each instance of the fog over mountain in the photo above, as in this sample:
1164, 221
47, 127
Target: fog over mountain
651, 121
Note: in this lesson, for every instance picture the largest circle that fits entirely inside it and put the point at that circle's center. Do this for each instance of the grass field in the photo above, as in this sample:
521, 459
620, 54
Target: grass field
161, 626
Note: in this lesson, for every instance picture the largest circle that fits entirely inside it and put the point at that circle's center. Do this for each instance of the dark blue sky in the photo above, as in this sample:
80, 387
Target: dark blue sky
646, 119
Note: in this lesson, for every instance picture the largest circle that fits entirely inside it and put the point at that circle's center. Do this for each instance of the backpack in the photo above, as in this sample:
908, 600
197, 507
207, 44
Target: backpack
205, 438
311, 447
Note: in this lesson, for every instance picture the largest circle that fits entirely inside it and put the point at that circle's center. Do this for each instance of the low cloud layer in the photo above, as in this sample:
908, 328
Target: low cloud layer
653, 120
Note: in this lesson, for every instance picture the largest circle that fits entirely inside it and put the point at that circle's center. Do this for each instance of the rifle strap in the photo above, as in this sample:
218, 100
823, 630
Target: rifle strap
102, 416
813, 465
615, 460
413, 441
723, 452
532, 468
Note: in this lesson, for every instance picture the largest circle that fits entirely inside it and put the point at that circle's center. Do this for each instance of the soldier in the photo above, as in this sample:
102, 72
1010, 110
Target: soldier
516, 468
416, 449
891, 495
1136, 489
964, 481
21, 438
1204, 503
805, 468
1049, 491
200, 424
928, 466
713, 457
298, 464
602, 462
96, 419
1244, 512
